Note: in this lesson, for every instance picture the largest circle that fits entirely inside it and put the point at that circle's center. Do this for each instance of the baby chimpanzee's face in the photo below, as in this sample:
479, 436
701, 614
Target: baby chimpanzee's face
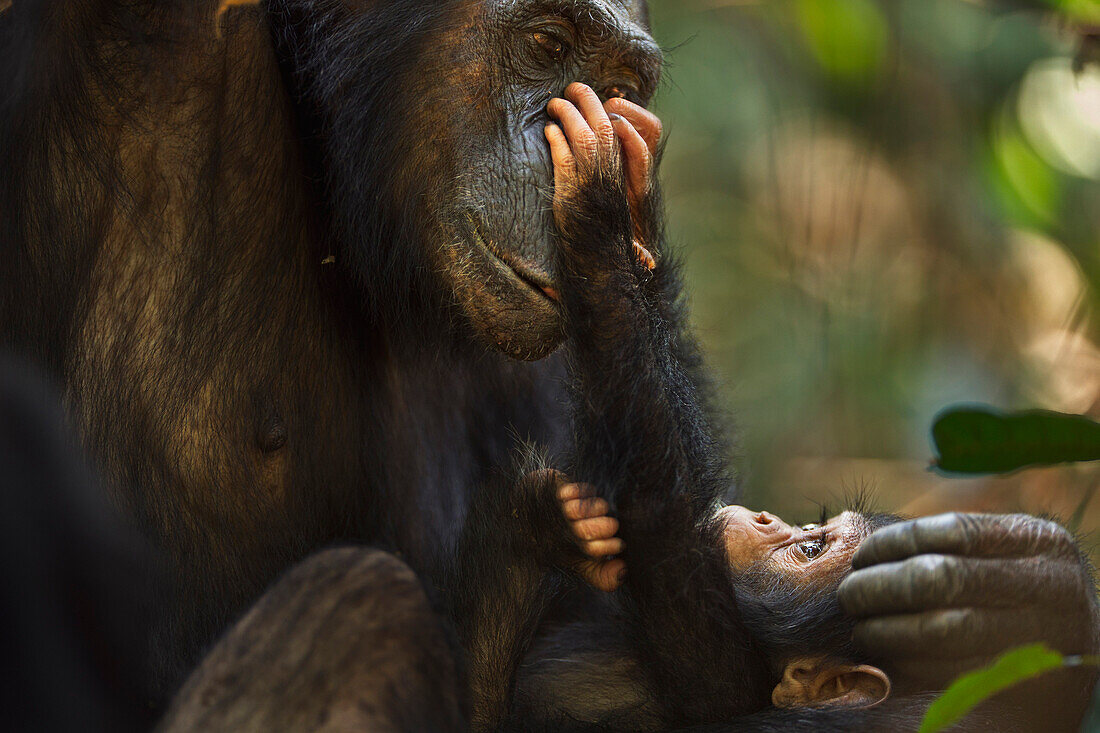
811, 552
786, 578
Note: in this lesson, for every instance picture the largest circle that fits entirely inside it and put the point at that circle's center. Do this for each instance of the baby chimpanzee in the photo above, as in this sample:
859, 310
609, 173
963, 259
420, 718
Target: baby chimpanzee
721, 615
788, 577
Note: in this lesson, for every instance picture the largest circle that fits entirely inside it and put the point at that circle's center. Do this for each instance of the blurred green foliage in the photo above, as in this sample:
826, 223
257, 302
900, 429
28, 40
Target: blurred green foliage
847, 38
885, 206
968, 691
1083, 11
977, 439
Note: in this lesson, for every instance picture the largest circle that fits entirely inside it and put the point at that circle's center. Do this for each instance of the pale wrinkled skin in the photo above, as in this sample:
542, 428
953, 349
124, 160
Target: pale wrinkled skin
942, 595
761, 540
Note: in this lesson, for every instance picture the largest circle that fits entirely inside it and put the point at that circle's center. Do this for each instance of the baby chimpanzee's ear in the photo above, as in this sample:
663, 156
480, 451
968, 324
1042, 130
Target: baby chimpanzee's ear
821, 681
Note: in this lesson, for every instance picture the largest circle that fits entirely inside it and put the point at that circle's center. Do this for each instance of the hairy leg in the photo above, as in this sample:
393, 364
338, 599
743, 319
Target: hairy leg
345, 641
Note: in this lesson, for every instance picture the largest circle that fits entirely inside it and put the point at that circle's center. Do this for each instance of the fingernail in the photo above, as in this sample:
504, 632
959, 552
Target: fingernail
612, 116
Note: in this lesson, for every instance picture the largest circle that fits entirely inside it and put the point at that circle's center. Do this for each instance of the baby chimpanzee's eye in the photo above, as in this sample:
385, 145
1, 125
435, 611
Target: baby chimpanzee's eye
812, 549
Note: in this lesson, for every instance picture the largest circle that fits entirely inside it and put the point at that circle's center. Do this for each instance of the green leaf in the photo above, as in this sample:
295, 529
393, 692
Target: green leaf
984, 440
848, 38
1029, 189
972, 688
1081, 11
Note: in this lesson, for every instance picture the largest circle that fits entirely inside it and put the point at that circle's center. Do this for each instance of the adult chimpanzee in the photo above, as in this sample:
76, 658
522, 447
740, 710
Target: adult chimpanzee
281, 267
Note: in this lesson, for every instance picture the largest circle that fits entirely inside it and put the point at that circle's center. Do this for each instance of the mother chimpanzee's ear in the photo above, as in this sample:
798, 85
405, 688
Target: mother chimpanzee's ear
822, 681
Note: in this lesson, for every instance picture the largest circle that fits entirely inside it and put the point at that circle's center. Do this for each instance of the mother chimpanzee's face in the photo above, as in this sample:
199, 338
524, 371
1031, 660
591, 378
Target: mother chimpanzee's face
427, 117
496, 240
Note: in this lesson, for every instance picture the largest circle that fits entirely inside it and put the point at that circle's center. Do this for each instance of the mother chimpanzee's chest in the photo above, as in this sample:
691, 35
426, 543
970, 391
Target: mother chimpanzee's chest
451, 427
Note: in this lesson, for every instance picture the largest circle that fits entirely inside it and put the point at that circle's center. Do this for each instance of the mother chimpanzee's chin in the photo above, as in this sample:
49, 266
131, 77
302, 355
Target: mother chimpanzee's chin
503, 286
508, 307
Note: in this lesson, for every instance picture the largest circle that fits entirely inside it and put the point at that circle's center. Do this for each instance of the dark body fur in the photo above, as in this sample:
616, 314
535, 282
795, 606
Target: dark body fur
163, 263
249, 403
686, 644
173, 187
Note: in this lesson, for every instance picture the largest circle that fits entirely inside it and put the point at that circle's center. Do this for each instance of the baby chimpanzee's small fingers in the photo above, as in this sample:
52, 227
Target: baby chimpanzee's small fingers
595, 115
543, 476
636, 154
560, 153
582, 139
645, 122
596, 528
571, 491
608, 576
584, 508
603, 548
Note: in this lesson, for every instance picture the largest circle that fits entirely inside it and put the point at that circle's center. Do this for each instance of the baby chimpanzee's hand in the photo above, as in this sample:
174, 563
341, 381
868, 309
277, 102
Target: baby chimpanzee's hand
602, 173
595, 531
639, 133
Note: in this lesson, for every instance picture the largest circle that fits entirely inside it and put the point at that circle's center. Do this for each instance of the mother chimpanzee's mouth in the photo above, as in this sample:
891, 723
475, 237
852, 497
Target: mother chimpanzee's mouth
530, 275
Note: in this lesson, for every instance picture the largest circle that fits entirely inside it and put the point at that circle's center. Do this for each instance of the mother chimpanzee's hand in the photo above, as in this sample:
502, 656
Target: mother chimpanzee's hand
942, 595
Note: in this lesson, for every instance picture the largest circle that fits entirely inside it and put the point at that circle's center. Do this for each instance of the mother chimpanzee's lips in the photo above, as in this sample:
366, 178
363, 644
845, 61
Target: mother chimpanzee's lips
533, 276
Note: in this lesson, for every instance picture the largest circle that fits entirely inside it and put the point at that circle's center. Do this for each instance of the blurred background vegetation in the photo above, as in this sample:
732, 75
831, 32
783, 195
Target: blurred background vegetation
885, 208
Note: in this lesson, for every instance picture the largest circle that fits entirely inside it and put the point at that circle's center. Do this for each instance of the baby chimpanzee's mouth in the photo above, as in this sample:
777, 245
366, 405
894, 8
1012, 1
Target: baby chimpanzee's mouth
530, 275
